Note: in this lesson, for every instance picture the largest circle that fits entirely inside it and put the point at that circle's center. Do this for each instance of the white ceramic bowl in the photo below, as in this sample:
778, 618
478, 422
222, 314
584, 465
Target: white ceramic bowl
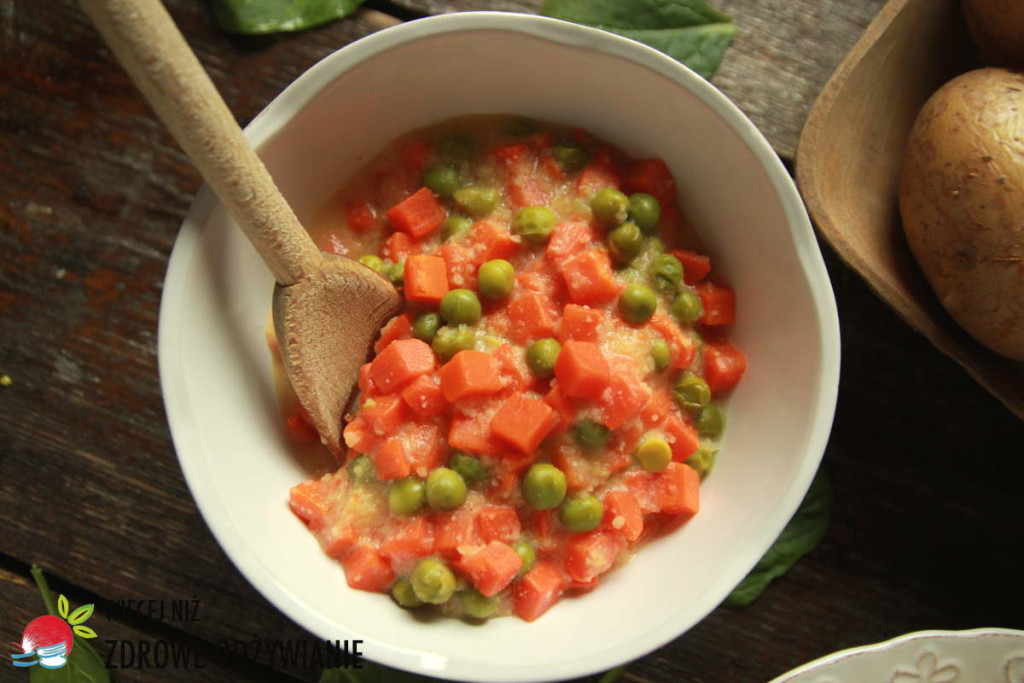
216, 369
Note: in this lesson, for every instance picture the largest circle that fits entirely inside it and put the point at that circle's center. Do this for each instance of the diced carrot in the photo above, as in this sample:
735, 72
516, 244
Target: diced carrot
456, 533
596, 177
580, 471
525, 188
360, 217
515, 373
308, 500
545, 530
589, 555
499, 523
695, 266
681, 346
623, 398
424, 397
622, 514
470, 374
461, 263
582, 370
540, 140
510, 154
492, 241
724, 365
656, 408
360, 436
426, 278
415, 538
682, 437
416, 156
491, 568
531, 318
391, 460
538, 590
580, 323
549, 164
589, 277
653, 177
366, 570
366, 386
340, 539
398, 247
564, 409
418, 215
568, 239
299, 429
719, 303
426, 449
678, 488
383, 414
543, 277
523, 422
471, 434
401, 362
399, 327
642, 486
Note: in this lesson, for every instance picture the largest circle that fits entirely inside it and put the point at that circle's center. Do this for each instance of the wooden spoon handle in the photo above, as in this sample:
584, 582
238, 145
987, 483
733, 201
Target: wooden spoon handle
147, 43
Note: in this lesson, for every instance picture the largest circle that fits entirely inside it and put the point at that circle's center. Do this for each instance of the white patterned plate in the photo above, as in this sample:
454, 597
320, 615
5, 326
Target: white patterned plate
984, 655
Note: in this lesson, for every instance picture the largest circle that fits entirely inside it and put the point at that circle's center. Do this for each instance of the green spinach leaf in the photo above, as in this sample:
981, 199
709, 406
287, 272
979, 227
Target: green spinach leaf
689, 31
800, 536
273, 16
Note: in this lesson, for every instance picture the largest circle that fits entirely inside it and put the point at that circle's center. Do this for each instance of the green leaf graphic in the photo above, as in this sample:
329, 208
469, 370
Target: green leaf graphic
84, 664
81, 614
83, 631
273, 16
62, 606
689, 31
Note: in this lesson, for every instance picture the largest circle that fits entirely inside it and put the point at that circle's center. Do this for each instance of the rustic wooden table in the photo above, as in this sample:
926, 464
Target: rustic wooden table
926, 466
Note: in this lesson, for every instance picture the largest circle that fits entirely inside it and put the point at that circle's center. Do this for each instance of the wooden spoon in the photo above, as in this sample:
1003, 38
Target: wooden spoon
850, 157
327, 309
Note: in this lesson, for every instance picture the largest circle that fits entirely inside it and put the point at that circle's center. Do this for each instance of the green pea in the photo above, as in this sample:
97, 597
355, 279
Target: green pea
477, 201
469, 468
654, 454
571, 157
610, 206
405, 497
455, 226
687, 307
666, 272
691, 392
426, 325
591, 435
625, 243
711, 421
476, 605
404, 594
361, 470
655, 246
541, 357
582, 513
371, 261
496, 279
637, 304
544, 486
446, 490
534, 223
394, 272
449, 340
702, 460
432, 581
443, 180
527, 553
460, 307
661, 354
457, 146
645, 211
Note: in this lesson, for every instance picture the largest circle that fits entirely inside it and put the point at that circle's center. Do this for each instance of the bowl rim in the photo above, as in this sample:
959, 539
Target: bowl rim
289, 103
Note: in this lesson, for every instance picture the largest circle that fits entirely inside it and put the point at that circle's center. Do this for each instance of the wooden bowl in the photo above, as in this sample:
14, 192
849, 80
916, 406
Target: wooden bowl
849, 160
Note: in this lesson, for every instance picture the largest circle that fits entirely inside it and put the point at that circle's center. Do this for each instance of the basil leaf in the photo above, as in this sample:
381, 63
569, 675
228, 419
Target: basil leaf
800, 536
273, 16
689, 31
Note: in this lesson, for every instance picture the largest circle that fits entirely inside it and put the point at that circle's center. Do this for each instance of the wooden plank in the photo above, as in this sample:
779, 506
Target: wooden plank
784, 52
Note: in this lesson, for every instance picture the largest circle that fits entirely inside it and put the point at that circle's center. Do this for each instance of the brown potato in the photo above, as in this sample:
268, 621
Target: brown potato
962, 203
997, 27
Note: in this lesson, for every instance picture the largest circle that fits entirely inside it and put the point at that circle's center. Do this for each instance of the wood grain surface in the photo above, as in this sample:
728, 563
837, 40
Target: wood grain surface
925, 464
